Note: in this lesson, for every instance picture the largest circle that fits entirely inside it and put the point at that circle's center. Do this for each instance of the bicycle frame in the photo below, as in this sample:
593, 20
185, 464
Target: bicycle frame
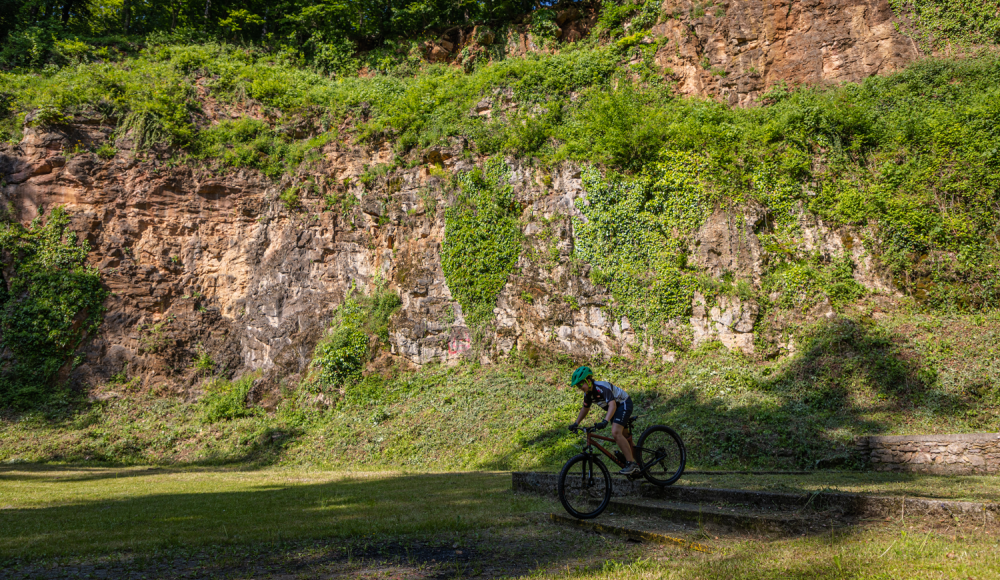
591, 444
588, 448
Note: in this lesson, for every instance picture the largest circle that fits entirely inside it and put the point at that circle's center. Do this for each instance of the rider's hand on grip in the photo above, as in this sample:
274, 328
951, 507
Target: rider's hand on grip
573, 427
601, 425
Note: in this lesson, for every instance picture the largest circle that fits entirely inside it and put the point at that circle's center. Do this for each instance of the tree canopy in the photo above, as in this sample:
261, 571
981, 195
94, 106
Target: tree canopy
364, 22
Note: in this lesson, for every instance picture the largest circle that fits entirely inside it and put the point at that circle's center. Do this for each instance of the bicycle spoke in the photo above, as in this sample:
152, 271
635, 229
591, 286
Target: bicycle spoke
585, 488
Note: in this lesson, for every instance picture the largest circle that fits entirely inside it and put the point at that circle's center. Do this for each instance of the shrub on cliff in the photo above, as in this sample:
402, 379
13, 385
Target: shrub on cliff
632, 231
50, 303
358, 327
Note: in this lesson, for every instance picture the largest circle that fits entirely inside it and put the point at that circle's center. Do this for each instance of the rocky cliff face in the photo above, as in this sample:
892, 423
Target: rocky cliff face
737, 50
199, 263
218, 264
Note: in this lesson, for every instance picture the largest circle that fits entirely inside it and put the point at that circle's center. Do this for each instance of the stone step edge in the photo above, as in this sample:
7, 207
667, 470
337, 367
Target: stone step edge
849, 504
729, 472
635, 534
709, 514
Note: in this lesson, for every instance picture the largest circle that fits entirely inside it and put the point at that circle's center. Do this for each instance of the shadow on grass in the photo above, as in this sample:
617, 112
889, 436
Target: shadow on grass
848, 379
273, 524
258, 450
73, 473
157, 510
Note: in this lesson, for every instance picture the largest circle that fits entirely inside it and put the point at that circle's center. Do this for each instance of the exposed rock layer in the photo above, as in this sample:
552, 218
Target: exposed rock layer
737, 50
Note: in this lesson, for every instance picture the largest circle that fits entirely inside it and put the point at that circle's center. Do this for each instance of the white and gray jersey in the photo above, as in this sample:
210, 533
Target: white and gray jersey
603, 393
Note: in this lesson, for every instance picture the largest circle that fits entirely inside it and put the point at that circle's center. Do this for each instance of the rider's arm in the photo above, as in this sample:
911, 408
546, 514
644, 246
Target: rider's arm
583, 413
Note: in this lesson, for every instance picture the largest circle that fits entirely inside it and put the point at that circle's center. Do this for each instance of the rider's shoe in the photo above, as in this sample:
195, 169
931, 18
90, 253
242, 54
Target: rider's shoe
629, 468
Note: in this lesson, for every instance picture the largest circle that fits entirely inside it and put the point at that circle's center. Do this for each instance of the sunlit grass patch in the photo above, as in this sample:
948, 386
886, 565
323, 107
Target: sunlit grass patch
877, 553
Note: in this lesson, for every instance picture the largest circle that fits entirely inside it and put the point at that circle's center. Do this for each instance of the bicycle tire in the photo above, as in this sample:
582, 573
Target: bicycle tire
586, 490
669, 468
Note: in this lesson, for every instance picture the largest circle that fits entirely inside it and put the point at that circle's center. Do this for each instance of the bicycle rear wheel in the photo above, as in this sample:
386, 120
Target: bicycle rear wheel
584, 486
661, 454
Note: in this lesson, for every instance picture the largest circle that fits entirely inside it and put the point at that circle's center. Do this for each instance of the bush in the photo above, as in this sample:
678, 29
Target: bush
227, 400
290, 198
624, 128
335, 57
203, 362
340, 356
633, 233
936, 23
106, 151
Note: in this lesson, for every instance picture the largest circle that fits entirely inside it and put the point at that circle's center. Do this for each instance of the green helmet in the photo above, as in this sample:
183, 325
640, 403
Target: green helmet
580, 374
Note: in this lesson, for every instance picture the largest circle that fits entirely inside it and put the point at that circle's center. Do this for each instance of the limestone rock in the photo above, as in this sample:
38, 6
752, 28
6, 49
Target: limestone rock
730, 321
726, 243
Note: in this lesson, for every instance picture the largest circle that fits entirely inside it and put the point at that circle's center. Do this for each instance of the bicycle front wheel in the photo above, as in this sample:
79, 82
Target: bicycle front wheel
661, 455
584, 486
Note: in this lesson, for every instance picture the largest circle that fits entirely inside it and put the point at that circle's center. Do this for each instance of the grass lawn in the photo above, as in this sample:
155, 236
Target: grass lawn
65, 522
49, 511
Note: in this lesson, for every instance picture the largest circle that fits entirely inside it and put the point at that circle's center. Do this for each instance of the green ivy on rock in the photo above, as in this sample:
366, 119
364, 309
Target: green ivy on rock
937, 23
632, 233
51, 302
482, 240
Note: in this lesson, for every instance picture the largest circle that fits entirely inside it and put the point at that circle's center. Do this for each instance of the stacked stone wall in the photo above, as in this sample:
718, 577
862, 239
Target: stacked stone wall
965, 454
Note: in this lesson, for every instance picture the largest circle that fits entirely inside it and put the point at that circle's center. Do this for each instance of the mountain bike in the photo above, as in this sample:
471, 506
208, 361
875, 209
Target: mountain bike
585, 483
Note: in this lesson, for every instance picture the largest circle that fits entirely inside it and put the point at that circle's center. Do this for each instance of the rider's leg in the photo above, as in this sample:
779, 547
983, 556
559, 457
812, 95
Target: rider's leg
628, 437
618, 432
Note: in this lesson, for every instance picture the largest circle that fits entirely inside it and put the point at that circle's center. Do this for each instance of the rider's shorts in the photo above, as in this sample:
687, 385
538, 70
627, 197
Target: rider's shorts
623, 412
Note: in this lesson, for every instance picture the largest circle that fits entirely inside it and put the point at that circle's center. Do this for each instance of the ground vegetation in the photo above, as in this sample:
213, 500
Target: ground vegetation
61, 522
906, 163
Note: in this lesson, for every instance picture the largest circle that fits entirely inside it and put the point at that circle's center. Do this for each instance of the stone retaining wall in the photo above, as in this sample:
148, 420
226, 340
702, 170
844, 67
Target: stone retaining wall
973, 453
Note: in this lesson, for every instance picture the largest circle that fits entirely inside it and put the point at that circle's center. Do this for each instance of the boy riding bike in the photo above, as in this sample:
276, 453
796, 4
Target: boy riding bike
617, 404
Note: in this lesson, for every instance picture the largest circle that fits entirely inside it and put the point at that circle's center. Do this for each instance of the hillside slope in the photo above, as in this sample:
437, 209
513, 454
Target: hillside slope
271, 241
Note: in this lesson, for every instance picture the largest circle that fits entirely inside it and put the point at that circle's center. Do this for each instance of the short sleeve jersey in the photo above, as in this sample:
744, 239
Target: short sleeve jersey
603, 393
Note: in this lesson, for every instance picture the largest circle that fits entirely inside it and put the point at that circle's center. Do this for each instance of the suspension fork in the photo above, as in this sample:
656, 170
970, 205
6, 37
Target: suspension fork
588, 465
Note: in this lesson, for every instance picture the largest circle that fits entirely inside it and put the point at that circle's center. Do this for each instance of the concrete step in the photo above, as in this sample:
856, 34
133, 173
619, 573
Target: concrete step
756, 499
638, 529
712, 516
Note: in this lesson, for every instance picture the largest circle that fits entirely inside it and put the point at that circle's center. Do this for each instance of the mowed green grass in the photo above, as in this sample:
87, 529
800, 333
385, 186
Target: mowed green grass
55, 511
884, 553
51, 511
